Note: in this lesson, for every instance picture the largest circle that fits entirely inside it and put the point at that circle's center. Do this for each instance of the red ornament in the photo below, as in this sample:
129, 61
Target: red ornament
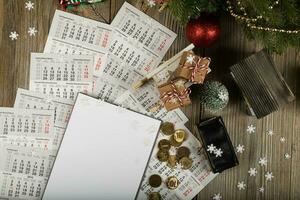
203, 31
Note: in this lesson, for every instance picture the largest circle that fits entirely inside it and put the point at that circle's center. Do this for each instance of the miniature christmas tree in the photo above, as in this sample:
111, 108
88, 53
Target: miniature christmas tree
214, 96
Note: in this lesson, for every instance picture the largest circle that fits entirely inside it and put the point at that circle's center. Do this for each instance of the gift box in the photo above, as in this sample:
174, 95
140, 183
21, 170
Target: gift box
174, 94
192, 67
214, 137
263, 87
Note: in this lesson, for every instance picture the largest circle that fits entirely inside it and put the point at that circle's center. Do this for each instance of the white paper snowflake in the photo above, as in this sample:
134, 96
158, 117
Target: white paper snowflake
240, 148
32, 31
252, 172
223, 96
270, 132
190, 59
287, 156
282, 139
13, 35
261, 189
29, 5
178, 166
151, 3
211, 148
263, 161
241, 185
269, 176
251, 129
217, 197
218, 152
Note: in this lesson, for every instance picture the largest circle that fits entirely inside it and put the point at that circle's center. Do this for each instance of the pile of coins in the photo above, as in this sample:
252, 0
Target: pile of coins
177, 137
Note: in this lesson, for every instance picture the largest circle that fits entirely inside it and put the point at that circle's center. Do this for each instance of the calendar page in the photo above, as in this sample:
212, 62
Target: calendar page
193, 180
61, 76
16, 186
27, 128
148, 96
137, 47
23, 160
62, 110
132, 54
73, 34
143, 30
108, 89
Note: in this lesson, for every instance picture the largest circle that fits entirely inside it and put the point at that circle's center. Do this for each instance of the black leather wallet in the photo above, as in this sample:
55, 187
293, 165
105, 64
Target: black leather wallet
213, 131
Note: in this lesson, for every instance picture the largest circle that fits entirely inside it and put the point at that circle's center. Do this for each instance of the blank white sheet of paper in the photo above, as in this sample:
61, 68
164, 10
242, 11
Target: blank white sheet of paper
104, 152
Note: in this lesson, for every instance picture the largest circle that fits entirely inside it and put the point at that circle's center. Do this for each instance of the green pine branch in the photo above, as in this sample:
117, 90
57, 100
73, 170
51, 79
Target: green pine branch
285, 15
185, 9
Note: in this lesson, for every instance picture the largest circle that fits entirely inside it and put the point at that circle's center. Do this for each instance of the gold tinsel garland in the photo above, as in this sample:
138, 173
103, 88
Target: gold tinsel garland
250, 22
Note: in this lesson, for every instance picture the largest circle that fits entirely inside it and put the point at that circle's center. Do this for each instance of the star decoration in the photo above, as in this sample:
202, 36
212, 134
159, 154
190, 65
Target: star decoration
241, 185
32, 31
287, 156
211, 148
223, 96
251, 129
29, 5
263, 161
218, 153
240, 148
252, 172
190, 59
13, 35
269, 176
282, 139
270, 132
217, 197
261, 189
151, 3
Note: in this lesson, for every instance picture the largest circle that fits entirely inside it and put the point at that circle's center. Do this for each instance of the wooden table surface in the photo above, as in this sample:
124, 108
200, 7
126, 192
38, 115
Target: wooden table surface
231, 48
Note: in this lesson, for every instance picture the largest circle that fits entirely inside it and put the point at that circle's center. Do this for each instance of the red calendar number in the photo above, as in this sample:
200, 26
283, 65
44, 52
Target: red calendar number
98, 64
147, 67
105, 40
187, 192
47, 127
162, 45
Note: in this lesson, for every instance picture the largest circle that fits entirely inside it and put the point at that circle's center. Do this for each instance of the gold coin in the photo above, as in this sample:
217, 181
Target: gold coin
154, 180
167, 128
179, 135
154, 196
162, 155
186, 163
164, 144
174, 143
182, 152
172, 161
172, 182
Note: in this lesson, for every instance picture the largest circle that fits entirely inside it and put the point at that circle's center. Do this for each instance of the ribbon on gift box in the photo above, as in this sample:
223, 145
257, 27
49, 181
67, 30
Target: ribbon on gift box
192, 67
174, 95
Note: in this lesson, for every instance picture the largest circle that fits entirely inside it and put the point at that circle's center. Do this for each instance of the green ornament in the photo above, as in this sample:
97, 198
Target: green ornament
214, 96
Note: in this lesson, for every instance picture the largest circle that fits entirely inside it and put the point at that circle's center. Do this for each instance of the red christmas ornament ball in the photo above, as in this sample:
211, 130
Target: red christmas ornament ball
203, 31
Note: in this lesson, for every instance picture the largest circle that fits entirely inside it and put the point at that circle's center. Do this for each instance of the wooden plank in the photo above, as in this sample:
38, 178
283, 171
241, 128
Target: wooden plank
231, 48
